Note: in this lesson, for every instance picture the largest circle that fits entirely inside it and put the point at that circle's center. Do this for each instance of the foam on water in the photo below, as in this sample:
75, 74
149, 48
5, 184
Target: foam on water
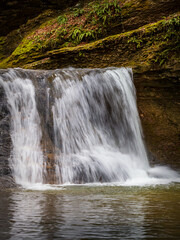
43, 187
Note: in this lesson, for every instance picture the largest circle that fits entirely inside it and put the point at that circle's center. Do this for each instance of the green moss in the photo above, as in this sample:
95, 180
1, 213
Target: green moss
25, 47
128, 7
83, 25
2, 47
151, 44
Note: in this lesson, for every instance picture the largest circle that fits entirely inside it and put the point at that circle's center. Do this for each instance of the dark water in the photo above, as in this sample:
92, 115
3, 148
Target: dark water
86, 212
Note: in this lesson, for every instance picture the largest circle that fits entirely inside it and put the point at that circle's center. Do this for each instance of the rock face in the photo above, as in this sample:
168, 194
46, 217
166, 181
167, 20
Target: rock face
158, 95
144, 12
5, 140
5, 143
15, 13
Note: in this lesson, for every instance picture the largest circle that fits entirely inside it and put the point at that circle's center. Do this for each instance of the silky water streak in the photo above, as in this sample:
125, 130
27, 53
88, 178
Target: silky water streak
97, 128
26, 159
91, 121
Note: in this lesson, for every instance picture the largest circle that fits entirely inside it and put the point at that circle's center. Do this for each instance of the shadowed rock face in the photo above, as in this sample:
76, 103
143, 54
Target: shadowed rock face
158, 95
15, 13
5, 139
145, 12
5, 143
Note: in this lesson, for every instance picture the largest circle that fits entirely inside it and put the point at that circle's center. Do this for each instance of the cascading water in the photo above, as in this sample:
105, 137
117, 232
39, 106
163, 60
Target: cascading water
26, 158
97, 128
96, 137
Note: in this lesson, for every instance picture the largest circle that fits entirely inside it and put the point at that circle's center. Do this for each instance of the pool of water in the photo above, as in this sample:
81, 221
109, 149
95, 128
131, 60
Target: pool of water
91, 212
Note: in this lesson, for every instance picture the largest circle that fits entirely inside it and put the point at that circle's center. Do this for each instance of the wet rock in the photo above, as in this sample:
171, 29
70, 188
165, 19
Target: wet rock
7, 182
5, 140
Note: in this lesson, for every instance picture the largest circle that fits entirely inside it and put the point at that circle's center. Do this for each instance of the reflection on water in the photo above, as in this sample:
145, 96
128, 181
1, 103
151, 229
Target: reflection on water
81, 212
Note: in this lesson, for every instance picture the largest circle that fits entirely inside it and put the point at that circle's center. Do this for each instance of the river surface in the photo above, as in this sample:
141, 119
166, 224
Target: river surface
91, 212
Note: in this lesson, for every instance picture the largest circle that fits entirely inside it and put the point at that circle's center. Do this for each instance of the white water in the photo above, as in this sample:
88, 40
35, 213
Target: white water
26, 159
97, 130
97, 123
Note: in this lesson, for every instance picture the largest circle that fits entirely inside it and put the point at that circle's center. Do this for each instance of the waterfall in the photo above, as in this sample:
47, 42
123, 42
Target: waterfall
26, 158
86, 120
97, 127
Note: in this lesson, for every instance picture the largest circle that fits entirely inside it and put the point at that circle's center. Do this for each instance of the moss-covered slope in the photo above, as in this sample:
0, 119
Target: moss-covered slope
151, 46
76, 30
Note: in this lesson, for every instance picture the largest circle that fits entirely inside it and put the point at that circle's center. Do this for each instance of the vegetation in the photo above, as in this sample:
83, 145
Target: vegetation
72, 28
2, 47
162, 36
170, 38
95, 26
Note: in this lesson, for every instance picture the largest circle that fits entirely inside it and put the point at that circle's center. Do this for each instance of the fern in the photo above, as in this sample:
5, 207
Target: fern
62, 19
